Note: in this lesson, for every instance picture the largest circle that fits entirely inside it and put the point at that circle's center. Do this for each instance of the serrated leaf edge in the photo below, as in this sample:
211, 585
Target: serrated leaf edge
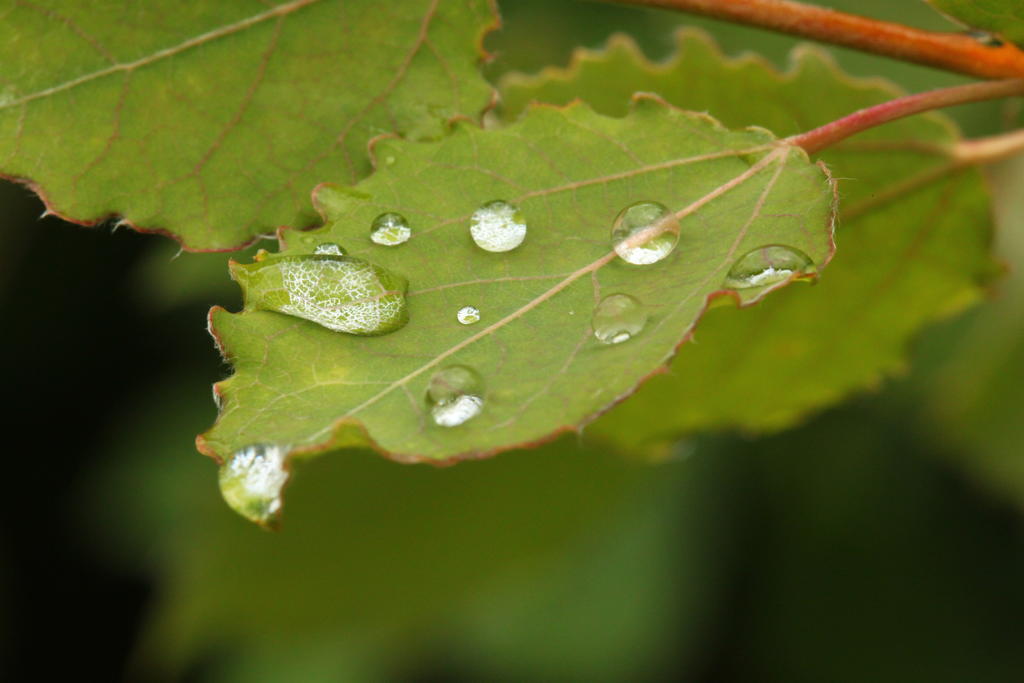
279, 10
336, 435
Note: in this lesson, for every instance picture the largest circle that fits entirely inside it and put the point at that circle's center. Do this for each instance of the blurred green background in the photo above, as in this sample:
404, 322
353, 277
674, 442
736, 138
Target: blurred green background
880, 541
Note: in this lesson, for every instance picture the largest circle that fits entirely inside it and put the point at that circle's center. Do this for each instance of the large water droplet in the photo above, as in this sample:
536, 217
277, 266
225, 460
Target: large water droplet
341, 293
252, 479
498, 226
644, 233
390, 230
468, 315
768, 265
329, 248
618, 318
455, 395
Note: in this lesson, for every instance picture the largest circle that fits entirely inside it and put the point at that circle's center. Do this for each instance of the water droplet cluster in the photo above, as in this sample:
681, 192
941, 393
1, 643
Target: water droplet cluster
354, 296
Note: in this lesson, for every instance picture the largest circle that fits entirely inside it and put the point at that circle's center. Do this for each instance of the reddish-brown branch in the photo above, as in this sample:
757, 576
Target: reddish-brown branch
840, 129
949, 51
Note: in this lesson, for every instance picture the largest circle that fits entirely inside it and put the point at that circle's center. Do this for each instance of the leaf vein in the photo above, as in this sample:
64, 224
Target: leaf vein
548, 294
277, 11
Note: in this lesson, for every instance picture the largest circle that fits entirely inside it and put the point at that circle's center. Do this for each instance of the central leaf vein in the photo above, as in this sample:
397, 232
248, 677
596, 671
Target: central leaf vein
592, 267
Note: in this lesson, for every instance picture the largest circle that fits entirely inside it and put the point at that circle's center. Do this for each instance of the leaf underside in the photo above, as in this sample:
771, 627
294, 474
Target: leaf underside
1002, 17
211, 121
570, 171
914, 237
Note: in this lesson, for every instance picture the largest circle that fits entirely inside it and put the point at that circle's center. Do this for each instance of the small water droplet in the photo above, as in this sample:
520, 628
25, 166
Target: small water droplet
329, 248
390, 230
768, 265
341, 293
498, 226
455, 395
644, 233
468, 315
252, 479
618, 318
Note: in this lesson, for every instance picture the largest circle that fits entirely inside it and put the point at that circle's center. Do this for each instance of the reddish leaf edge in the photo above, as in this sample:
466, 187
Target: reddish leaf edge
346, 433
483, 57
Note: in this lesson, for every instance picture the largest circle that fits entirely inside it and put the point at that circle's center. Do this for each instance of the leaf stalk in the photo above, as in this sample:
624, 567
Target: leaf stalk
957, 52
825, 136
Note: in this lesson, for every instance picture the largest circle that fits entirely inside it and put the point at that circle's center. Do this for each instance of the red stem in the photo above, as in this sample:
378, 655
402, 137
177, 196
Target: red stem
831, 133
950, 51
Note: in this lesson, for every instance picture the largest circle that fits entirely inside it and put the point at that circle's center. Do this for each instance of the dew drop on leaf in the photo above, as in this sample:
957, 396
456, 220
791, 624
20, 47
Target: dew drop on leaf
341, 293
390, 230
468, 315
768, 265
252, 479
618, 318
644, 233
455, 395
329, 248
498, 226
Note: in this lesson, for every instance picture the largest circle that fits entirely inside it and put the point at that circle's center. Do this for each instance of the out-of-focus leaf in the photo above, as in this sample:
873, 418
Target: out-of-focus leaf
913, 240
976, 397
1002, 17
168, 278
541, 368
867, 561
373, 554
637, 598
211, 121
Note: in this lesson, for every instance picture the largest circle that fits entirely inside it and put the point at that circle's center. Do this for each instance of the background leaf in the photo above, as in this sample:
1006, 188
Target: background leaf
376, 555
1002, 17
542, 564
210, 122
913, 239
975, 394
571, 172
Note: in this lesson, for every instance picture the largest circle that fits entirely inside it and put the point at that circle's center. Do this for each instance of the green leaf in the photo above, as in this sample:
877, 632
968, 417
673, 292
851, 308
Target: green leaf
914, 236
1002, 17
570, 172
975, 398
211, 121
